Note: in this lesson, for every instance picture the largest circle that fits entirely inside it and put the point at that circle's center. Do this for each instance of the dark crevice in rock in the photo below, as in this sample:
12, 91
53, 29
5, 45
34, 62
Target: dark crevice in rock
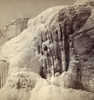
42, 74
66, 47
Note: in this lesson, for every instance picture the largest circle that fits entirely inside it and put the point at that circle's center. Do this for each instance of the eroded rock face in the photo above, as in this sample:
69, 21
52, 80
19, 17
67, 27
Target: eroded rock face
12, 30
59, 39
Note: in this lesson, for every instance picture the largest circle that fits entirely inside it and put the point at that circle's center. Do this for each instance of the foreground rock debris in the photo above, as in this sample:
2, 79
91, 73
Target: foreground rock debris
49, 57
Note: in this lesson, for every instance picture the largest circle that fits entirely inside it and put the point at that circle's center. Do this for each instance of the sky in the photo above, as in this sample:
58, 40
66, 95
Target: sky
14, 9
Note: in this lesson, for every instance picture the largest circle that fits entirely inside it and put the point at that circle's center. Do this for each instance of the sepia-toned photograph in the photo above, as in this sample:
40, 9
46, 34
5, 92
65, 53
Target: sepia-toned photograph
46, 49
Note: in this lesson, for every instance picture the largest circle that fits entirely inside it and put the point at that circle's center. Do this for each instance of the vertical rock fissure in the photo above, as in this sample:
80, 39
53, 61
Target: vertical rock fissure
66, 48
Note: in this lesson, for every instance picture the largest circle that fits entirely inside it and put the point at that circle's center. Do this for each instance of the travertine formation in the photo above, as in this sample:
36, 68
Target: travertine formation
57, 45
7, 33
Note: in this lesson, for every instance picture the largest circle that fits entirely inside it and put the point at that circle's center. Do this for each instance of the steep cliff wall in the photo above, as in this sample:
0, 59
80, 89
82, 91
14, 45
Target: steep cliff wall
59, 39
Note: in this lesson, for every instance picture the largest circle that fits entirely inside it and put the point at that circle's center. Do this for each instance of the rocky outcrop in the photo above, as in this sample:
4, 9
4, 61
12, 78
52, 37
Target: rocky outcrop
12, 30
59, 39
23, 80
